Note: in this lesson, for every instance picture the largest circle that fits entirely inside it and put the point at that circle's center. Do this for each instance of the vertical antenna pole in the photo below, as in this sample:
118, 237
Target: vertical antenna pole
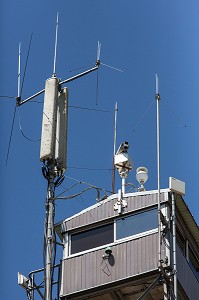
49, 233
157, 96
175, 280
55, 52
114, 148
19, 71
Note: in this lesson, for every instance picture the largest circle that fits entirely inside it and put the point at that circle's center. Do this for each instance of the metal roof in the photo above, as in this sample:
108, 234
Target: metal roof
137, 196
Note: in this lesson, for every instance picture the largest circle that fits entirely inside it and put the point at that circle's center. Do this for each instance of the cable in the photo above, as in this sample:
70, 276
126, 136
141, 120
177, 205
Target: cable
87, 108
20, 127
66, 190
73, 106
177, 117
73, 196
26, 63
97, 87
13, 120
87, 66
59, 181
89, 169
143, 115
11, 97
93, 186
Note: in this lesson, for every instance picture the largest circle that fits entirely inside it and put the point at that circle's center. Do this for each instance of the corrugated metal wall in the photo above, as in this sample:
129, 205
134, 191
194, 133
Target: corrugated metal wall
128, 259
105, 210
186, 277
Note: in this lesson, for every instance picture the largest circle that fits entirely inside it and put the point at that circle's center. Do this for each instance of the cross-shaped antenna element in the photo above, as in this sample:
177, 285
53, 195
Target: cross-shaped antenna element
97, 64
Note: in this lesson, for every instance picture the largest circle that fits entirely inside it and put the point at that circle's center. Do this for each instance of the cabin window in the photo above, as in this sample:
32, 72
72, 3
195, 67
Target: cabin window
193, 262
181, 241
137, 223
92, 238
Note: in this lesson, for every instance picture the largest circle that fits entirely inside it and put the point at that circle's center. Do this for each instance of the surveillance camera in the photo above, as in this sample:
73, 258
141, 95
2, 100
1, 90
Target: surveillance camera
123, 148
108, 251
23, 281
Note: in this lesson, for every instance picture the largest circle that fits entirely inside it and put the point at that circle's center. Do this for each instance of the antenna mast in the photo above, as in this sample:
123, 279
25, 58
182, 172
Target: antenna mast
114, 148
157, 96
53, 156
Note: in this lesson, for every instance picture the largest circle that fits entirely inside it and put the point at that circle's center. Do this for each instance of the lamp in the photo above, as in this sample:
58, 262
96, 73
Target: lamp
141, 176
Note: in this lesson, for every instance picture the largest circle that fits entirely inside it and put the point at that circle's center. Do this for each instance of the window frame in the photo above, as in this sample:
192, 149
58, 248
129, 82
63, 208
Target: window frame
140, 234
87, 229
115, 241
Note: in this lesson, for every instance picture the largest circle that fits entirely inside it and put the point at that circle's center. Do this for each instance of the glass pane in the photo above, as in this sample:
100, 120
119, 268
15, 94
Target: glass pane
194, 264
92, 238
180, 241
137, 223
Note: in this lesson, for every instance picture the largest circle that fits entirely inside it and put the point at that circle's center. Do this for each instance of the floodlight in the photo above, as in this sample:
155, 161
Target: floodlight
141, 176
108, 252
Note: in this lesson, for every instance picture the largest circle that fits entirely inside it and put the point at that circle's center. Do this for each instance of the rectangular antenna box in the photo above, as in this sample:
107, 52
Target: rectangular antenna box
177, 186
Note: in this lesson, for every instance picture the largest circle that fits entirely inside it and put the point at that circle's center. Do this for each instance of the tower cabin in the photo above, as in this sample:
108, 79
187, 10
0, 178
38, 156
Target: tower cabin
112, 254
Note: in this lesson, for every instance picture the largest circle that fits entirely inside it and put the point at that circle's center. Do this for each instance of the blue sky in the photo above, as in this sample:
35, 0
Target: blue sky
141, 38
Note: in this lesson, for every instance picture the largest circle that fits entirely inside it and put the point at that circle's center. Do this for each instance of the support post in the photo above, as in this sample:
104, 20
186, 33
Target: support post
174, 248
123, 184
157, 96
49, 233
114, 148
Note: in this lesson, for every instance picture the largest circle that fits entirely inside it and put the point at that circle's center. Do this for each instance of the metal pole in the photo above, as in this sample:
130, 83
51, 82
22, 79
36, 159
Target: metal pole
19, 70
158, 171
80, 75
114, 148
49, 233
32, 285
150, 287
62, 82
174, 247
55, 52
123, 184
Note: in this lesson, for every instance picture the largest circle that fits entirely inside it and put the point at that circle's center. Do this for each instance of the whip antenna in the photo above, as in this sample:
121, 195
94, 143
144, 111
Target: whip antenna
98, 50
157, 96
55, 52
19, 70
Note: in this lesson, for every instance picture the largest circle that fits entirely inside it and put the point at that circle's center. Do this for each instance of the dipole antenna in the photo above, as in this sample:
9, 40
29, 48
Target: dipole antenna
55, 52
114, 148
157, 96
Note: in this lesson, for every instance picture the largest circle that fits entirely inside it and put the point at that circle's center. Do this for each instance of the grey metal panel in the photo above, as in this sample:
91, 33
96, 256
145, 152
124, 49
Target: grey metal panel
90, 270
106, 210
186, 277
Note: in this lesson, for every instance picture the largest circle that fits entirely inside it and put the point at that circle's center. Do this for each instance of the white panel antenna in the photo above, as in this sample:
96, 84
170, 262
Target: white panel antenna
61, 131
177, 186
47, 150
23, 281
